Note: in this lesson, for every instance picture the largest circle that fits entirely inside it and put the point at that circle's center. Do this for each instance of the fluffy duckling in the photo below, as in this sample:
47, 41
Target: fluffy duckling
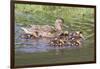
76, 36
80, 35
60, 40
57, 42
26, 36
64, 34
78, 43
29, 36
75, 39
75, 43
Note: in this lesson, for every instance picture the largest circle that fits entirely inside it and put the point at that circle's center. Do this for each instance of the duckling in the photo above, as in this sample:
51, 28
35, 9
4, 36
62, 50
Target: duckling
57, 42
26, 36
53, 42
76, 39
60, 40
76, 36
66, 33
35, 34
64, 36
76, 43
61, 43
79, 35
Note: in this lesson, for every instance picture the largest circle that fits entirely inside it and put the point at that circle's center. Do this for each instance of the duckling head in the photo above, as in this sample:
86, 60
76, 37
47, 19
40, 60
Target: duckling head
61, 41
66, 32
78, 42
49, 33
78, 32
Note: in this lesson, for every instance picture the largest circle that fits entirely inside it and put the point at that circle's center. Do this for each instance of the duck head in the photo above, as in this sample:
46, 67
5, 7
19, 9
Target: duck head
58, 24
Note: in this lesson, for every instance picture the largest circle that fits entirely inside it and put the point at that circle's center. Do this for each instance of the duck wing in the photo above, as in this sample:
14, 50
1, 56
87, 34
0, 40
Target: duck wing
26, 30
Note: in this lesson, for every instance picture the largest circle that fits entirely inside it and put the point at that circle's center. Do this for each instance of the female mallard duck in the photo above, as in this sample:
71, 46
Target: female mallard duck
45, 30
